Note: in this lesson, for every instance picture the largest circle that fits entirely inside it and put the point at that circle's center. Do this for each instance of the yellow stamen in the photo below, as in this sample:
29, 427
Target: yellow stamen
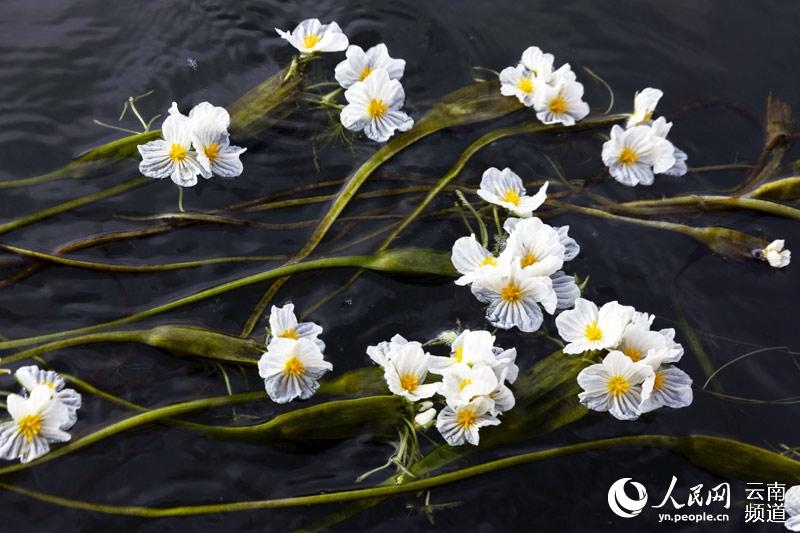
528, 260
634, 353
30, 426
558, 105
466, 418
618, 386
647, 116
525, 85
593, 332
628, 156
212, 151
310, 40
377, 108
464, 383
489, 260
294, 367
511, 293
409, 382
364, 73
511, 196
51, 385
660, 381
289, 334
458, 355
177, 152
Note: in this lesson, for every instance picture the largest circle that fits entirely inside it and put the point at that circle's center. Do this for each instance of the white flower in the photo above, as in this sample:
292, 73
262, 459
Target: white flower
562, 74
644, 104
514, 298
461, 424
503, 399
291, 369
173, 157
36, 422
461, 383
633, 155
518, 81
661, 128
567, 291
209, 127
469, 348
639, 343
360, 64
535, 246
406, 370
471, 259
668, 386
775, 255
312, 36
615, 385
373, 105
283, 325
586, 328
32, 376
571, 247
791, 502
561, 104
537, 62
381, 353
505, 188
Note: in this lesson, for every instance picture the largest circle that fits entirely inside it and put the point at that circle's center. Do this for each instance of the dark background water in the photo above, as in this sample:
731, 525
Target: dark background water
67, 62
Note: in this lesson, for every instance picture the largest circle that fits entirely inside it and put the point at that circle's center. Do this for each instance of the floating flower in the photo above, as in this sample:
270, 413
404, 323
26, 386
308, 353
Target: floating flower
312, 36
537, 62
588, 328
615, 385
520, 82
535, 246
209, 129
283, 324
638, 343
462, 424
644, 104
791, 503
561, 104
468, 348
514, 298
661, 128
173, 157
462, 383
668, 386
567, 291
505, 188
775, 254
32, 376
373, 105
36, 422
381, 353
360, 64
405, 372
471, 259
634, 155
291, 369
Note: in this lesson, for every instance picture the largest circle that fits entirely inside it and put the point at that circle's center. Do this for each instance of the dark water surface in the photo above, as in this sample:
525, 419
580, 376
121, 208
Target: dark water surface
67, 62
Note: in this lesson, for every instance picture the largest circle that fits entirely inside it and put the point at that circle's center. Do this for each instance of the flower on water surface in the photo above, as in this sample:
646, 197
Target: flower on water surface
36, 421
373, 106
469, 348
791, 502
561, 104
32, 376
615, 385
588, 328
634, 155
670, 387
539, 63
291, 369
520, 82
644, 104
461, 424
505, 188
776, 255
535, 246
312, 36
210, 138
283, 324
471, 259
360, 64
462, 383
384, 350
406, 370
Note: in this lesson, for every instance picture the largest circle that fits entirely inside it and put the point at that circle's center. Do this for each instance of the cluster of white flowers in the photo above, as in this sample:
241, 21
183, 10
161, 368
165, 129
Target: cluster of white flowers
293, 363
474, 382
41, 415
195, 145
636, 375
525, 276
555, 95
635, 154
775, 254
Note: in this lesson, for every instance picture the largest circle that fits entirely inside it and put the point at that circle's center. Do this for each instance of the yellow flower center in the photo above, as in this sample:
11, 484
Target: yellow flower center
294, 367
30, 426
489, 260
511, 293
177, 152
364, 73
628, 156
310, 40
466, 418
618, 386
558, 105
660, 381
634, 353
528, 260
511, 196
525, 85
593, 332
289, 334
464, 383
212, 151
409, 382
377, 108
459, 354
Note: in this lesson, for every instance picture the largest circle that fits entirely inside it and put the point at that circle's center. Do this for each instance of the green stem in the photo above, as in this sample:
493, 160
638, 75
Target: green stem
710, 202
180, 199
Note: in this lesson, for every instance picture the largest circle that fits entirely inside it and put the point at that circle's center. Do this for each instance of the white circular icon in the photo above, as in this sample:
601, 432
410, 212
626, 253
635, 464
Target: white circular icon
621, 504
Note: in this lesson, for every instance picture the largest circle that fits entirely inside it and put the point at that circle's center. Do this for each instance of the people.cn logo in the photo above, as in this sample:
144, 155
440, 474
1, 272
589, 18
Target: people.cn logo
621, 504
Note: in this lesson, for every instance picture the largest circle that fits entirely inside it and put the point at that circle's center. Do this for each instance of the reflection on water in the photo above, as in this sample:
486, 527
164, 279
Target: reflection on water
69, 62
